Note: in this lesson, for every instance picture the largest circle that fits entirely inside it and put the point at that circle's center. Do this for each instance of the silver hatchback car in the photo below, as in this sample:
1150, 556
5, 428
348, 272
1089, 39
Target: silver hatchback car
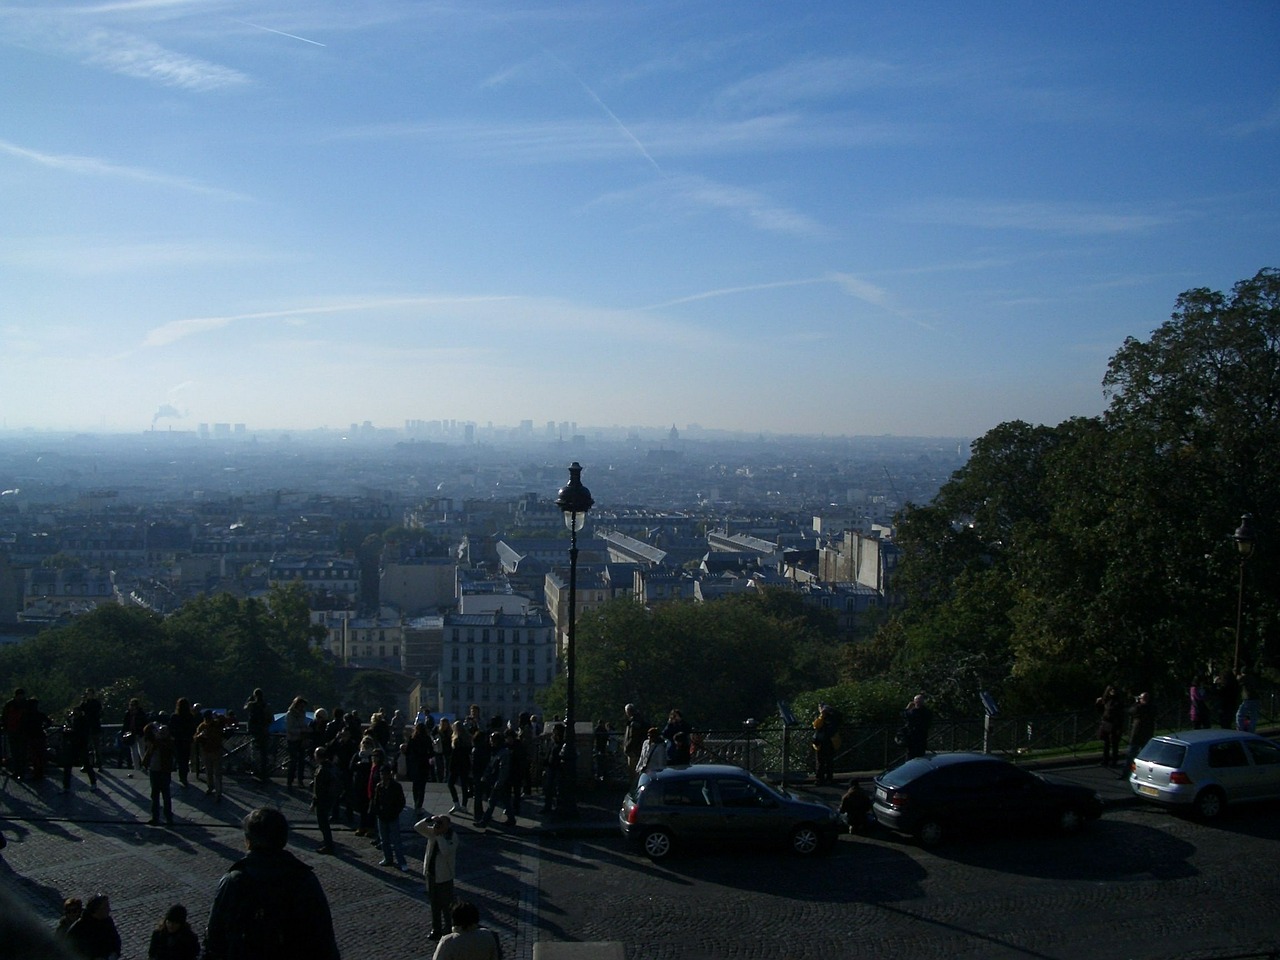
1204, 770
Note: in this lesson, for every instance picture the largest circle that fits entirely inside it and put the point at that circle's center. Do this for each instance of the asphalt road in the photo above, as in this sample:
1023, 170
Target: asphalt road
1141, 883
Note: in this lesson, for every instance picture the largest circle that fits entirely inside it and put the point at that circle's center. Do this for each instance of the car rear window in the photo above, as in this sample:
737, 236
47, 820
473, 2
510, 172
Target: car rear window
904, 774
1164, 753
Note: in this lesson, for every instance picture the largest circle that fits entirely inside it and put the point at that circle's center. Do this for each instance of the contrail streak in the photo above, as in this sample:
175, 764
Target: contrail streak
291, 36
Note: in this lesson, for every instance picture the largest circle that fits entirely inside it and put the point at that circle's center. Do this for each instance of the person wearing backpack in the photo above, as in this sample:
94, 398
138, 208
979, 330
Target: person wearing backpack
269, 903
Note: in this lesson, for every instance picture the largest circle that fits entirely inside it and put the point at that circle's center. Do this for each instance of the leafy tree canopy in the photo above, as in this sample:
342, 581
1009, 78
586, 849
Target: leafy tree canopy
1102, 547
214, 650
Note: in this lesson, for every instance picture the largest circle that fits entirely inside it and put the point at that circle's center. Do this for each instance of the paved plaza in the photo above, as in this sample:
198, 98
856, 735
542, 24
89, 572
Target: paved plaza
540, 885
87, 842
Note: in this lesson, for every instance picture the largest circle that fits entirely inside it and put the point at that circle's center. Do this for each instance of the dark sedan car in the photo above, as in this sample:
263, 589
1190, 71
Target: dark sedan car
714, 804
933, 797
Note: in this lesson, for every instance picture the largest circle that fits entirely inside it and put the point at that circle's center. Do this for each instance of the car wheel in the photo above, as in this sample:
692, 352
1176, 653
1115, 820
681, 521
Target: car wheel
657, 844
1210, 803
805, 840
1070, 820
929, 833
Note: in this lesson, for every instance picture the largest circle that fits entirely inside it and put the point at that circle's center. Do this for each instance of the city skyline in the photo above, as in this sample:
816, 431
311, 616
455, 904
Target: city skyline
849, 219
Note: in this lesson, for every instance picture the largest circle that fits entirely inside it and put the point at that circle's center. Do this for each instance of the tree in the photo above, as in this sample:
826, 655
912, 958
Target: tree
1102, 546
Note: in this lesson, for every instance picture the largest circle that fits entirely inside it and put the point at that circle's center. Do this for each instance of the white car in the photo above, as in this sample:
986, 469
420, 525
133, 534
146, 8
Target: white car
1204, 770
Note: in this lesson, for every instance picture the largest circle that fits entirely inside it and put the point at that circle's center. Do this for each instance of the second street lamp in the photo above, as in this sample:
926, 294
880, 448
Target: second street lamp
1245, 540
574, 500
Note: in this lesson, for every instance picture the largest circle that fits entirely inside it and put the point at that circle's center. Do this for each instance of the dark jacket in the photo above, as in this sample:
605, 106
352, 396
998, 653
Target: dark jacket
183, 945
94, 937
270, 905
388, 799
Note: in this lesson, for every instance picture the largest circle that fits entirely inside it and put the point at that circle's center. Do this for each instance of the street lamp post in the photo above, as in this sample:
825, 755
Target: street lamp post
574, 500
1245, 540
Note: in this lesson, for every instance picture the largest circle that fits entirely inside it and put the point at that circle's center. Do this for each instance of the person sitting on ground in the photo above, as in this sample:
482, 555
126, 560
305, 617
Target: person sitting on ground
469, 940
856, 807
174, 939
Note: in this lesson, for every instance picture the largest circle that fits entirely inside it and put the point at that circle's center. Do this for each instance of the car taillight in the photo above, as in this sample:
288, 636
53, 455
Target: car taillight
1180, 777
631, 813
898, 798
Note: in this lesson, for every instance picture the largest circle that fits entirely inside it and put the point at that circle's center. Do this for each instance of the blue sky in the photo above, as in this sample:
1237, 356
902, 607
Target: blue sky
829, 217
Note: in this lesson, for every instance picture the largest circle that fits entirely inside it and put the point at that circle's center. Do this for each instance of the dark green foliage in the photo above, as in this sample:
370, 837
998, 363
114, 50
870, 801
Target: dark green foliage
214, 650
720, 662
1099, 551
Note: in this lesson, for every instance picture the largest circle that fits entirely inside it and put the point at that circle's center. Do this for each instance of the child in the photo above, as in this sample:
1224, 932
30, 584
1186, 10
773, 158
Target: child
174, 939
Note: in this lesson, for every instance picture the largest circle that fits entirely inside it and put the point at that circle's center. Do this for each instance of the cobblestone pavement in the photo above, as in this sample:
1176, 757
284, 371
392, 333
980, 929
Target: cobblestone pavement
98, 841
1139, 884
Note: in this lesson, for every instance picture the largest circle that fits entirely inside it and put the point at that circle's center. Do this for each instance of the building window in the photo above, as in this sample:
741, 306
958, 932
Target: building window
502, 655
471, 673
484, 635
395, 651
515, 636
471, 655
502, 636
484, 655
484, 675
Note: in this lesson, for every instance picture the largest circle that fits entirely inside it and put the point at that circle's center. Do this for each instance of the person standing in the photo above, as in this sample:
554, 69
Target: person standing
479, 764
326, 787
387, 802
93, 710
1227, 687
653, 755
75, 748
183, 727
295, 741
1249, 711
634, 736
915, 721
1198, 705
553, 771
825, 729
15, 732
497, 780
439, 867
460, 767
131, 727
1110, 724
600, 737
157, 760
259, 726
209, 739
1142, 727
269, 903
420, 752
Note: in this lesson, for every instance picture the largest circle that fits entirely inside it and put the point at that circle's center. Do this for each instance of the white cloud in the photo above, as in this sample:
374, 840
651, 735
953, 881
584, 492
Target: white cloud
96, 167
133, 56
1062, 217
